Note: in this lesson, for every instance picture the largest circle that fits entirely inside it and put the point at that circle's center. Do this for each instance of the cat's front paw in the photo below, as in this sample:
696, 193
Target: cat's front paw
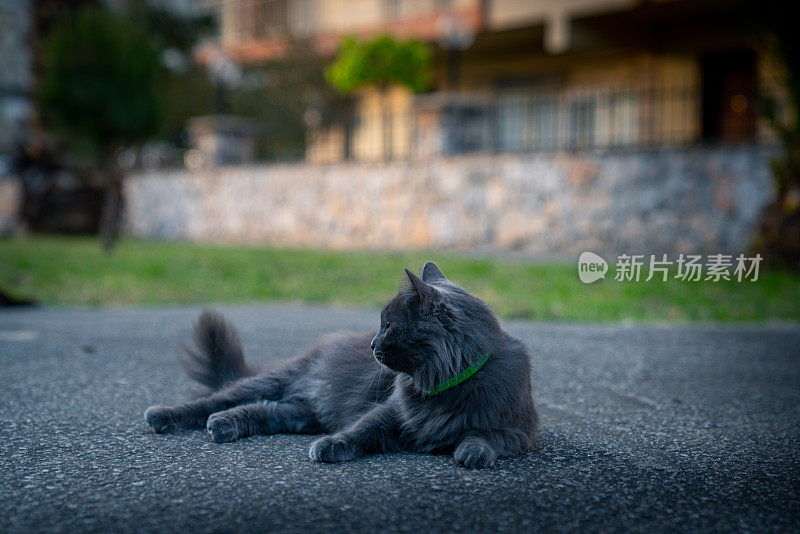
161, 419
222, 428
475, 454
333, 449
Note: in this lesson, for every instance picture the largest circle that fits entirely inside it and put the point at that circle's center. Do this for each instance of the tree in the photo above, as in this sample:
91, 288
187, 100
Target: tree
381, 62
185, 84
778, 235
99, 91
281, 95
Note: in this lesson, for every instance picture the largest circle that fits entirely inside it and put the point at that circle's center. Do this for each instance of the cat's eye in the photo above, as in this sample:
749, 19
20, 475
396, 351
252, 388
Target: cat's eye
386, 325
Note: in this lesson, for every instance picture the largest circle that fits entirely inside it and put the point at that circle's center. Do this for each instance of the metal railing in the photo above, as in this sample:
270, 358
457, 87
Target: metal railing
531, 120
243, 21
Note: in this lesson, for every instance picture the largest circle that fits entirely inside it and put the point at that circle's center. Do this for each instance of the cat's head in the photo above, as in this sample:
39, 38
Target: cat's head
433, 329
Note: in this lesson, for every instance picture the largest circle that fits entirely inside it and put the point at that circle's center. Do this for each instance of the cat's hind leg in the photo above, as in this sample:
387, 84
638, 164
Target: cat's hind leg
194, 414
266, 417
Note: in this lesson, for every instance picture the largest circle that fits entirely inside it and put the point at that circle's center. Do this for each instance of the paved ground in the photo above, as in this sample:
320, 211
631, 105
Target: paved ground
643, 429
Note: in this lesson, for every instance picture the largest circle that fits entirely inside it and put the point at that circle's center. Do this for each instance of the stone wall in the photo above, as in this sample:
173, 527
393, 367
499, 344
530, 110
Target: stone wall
701, 200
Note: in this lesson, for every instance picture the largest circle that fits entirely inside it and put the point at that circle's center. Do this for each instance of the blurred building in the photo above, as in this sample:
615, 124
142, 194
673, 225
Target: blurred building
16, 73
16, 106
552, 127
532, 76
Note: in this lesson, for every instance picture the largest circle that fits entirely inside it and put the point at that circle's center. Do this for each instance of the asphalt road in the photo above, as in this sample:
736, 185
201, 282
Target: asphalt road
643, 429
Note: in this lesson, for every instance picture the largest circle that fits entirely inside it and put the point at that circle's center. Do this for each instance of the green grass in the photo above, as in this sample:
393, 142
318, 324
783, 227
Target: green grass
57, 270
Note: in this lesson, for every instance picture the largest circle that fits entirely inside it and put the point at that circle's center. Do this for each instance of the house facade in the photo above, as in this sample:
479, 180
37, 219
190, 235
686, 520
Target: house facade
16, 75
551, 128
517, 76
16, 101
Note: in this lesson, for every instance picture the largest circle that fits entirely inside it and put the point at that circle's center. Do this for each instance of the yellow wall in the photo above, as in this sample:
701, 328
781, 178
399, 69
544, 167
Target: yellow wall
376, 113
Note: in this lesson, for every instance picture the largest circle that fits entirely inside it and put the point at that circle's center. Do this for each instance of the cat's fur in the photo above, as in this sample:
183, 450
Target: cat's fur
371, 396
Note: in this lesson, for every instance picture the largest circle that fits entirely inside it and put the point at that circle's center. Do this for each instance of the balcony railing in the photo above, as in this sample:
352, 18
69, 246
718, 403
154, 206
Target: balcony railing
247, 21
244, 21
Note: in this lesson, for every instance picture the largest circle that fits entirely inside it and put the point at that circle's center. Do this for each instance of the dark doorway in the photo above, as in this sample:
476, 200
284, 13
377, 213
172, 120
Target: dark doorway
729, 93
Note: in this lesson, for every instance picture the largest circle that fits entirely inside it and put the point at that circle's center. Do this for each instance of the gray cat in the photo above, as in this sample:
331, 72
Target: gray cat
439, 376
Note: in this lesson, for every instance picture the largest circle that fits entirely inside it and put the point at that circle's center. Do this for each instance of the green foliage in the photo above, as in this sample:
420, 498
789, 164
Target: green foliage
100, 84
777, 237
382, 61
186, 88
190, 94
168, 29
277, 95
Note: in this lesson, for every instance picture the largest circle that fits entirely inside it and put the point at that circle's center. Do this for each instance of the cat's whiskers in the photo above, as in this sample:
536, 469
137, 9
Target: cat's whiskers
365, 395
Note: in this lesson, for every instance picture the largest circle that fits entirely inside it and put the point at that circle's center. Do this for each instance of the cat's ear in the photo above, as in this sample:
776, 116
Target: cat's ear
432, 273
425, 291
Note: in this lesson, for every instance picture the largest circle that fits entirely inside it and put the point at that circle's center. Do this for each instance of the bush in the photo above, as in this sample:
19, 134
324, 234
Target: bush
382, 61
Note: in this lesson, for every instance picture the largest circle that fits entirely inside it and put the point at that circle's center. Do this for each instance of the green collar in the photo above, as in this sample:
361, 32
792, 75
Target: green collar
460, 377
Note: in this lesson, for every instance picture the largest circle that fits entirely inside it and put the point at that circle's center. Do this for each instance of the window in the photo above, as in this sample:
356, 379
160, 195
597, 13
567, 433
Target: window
623, 120
582, 122
544, 123
511, 122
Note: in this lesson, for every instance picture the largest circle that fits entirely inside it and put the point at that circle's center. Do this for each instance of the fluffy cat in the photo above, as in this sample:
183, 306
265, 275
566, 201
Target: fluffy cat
439, 376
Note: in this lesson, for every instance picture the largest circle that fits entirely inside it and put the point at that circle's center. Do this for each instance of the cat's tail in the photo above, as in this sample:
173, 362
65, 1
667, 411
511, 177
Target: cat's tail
217, 358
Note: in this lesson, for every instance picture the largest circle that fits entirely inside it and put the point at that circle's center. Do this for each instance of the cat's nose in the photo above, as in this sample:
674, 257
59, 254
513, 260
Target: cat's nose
372, 343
